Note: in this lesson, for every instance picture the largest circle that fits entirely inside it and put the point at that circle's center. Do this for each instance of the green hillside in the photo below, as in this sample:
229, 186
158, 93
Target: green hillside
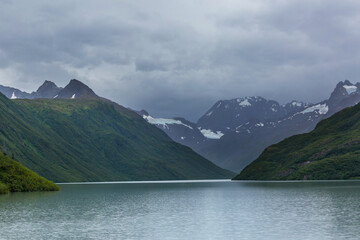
14, 177
331, 151
89, 140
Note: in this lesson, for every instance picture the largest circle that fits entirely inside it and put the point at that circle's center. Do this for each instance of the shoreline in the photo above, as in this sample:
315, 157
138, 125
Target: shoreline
208, 181
150, 181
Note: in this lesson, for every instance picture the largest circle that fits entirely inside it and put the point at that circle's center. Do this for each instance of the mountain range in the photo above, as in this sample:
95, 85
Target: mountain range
48, 90
71, 134
330, 152
233, 133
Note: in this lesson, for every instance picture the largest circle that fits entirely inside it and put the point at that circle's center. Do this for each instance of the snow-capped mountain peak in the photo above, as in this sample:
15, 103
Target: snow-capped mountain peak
243, 102
234, 132
229, 114
350, 89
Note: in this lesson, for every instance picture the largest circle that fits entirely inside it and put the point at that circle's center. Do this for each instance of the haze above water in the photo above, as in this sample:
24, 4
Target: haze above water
186, 210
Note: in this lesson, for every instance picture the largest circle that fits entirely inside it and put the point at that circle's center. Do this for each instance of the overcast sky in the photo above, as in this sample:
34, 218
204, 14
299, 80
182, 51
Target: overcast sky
176, 58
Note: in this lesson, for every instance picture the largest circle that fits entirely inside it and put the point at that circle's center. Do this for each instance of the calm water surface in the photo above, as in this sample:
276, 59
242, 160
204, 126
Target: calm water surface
186, 210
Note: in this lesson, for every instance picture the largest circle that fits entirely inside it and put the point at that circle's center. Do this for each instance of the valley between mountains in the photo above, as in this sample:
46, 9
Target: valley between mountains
71, 134
233, 133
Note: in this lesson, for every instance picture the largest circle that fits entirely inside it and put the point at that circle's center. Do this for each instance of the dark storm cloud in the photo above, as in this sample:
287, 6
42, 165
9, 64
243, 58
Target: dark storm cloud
176, 58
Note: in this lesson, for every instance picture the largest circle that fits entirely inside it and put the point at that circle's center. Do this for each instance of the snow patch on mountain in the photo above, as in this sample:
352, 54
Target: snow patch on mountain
350, 89
164, 121
73, 96
13, 96
296, 104
209, 114
320, 108
208, 133
244, 103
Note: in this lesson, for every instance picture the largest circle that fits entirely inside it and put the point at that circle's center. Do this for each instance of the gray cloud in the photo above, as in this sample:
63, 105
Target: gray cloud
176, 58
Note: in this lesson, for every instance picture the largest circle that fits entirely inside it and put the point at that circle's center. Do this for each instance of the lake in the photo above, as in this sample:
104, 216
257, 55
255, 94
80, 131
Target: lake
186, 210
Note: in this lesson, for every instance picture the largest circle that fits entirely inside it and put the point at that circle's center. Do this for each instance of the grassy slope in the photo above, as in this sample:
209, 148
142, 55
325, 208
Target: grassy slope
82, 140
331, 151
14, 177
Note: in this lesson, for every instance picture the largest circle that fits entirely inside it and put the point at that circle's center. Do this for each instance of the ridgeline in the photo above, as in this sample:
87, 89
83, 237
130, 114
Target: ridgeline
331, 151
92, 140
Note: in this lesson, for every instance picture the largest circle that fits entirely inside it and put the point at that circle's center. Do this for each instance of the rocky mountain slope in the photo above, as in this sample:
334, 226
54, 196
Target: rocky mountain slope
235, 132
331, 151
76, 90
88, 138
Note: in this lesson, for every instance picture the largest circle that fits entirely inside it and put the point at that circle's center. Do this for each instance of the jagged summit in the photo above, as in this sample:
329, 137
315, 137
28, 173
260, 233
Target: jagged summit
229, 114
345, 94
347, 82
234, 132
47, 90
74, 90
77, 90
345, 88
47, 84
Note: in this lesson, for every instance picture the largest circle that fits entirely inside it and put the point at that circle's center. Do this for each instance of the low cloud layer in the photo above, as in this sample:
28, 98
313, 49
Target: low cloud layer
176, 58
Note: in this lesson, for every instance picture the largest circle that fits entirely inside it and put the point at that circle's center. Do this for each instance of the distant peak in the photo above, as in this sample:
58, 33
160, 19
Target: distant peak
47, 84
250, 98
78, 89
47, 90
347, 82
244, 99
77, 82
343, 83
74, 83
343, 89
